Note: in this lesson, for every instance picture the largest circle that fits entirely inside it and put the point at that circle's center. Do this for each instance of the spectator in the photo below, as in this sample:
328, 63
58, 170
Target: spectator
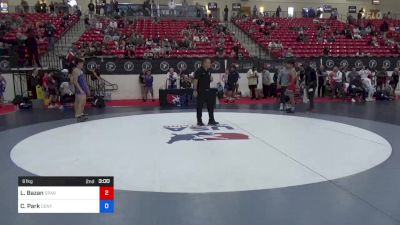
395, 79
3, 84
113, 24
198, 10
360, 14
38, 7
32, 47
374, 42
255, 11
310, 84
172, 78
142, 84
91, 9
384, 28
25, 6
326, 51
219, 50
252, 77
334, 14
66, 92
226, 11
51, 7
352, 75
148, 85
355, 88
99, 25
322, 74
336, 82
171, 6
367, 84
289, 53
185, 82
231, 83
331, 38
116, 7
360, 52
52, 90
364, 72
43, 7
266, 81
278, 11
50, 31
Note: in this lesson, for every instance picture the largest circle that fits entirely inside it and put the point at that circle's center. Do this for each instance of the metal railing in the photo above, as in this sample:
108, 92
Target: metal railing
100, 87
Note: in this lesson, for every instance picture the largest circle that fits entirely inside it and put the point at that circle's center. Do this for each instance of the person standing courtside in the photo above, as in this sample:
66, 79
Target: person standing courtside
202, 80
81, 91
283, 81
310, 84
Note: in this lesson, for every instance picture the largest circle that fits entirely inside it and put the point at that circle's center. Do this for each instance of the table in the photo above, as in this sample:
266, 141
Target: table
180, 97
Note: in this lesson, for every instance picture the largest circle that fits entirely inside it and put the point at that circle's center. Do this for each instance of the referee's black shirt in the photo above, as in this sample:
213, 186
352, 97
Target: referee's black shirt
203, 78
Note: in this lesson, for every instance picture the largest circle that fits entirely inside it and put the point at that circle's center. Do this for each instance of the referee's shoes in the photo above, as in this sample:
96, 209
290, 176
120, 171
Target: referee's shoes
210, 123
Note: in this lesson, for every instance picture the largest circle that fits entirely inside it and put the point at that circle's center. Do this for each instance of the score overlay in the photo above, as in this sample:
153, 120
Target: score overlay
65, 194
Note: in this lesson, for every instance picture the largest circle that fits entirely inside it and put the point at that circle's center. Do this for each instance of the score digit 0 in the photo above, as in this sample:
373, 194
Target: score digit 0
104, 181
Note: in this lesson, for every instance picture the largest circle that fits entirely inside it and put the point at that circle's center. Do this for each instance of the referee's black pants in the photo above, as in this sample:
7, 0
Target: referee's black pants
208, 98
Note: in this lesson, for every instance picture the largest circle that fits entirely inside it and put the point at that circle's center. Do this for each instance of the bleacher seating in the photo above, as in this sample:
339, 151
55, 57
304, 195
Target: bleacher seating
36, 21
311, 48
166, 29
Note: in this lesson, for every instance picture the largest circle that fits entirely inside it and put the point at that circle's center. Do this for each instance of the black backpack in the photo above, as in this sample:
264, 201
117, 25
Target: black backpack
99, 102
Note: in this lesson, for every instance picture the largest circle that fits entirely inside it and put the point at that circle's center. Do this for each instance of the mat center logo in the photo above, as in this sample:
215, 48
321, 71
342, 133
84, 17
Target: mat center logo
209, 133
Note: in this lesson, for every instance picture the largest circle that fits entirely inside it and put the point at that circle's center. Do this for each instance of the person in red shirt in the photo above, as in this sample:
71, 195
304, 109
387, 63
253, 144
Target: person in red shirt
292, 86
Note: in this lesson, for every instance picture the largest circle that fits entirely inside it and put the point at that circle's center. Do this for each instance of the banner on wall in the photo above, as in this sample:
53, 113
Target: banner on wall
236, 6
127, 66
327, 8
212, 5
3, 6
372, 63
352, 9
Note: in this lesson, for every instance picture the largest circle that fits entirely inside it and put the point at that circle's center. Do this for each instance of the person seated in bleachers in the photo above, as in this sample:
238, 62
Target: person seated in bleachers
272, 45
219, 50
374, 42
99, 25
331, 38
204, 39
130, 50
289, 53
356, 33
157, 51
326, 51
360, 52
149, 42
148, 54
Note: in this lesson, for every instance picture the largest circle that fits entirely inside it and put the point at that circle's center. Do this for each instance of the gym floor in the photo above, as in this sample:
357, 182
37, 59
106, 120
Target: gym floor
261, 166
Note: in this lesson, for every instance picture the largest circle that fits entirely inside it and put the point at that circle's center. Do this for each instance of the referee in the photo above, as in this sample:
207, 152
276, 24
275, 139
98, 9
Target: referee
202, 80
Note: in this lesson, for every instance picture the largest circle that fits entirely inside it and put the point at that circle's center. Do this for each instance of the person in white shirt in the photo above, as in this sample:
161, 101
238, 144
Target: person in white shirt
171, 6
337, 81
113, 24
367, 84
252, 77
364, 72
99, 25
272, 45
172, 78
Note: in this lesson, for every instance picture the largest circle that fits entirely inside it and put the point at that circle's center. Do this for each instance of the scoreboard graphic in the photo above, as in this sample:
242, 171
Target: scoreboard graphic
65, 194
